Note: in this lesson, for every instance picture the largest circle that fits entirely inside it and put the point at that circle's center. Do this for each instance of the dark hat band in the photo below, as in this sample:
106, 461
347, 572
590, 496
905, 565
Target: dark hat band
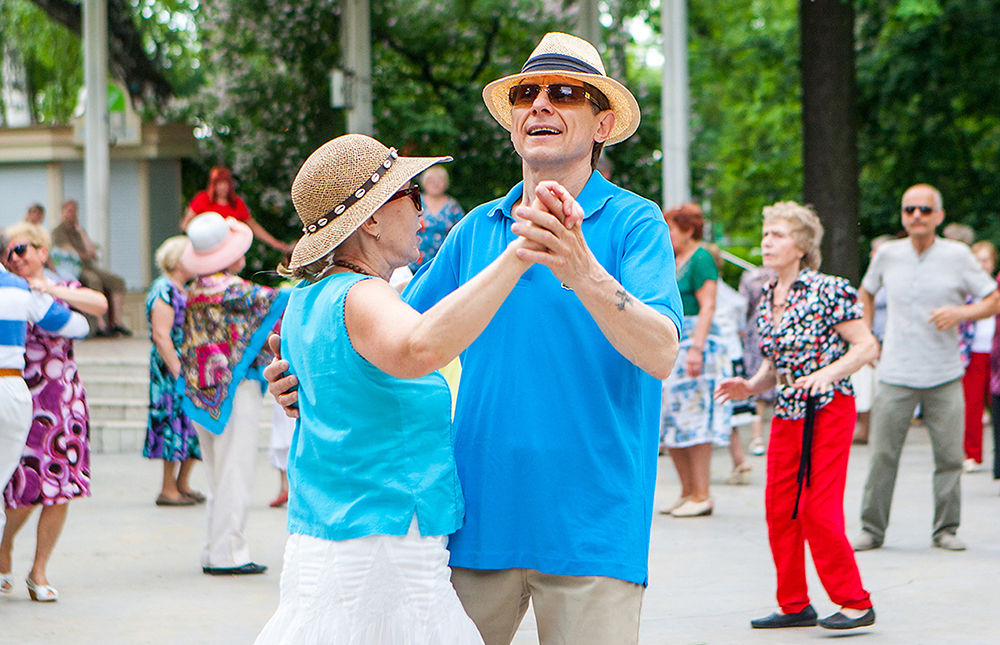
559, 62
354, 197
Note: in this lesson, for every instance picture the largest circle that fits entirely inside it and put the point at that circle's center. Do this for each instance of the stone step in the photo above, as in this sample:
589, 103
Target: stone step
113, 367
118, 409
115, 437
127, 434
116, 388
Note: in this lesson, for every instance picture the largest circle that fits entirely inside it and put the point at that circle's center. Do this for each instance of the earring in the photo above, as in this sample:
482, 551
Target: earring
378, 236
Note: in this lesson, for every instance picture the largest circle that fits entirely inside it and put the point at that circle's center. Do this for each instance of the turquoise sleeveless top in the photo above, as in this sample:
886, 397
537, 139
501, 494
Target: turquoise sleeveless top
369, 449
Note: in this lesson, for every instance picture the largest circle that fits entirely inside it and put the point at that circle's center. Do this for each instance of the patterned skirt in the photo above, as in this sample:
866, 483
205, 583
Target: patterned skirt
689, 413
55, 463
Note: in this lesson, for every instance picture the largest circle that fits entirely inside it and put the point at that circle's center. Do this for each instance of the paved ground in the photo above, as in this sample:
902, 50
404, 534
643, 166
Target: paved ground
128, 572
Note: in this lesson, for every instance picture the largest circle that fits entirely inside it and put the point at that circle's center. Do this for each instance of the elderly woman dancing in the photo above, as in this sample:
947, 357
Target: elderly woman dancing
55, 464
374, 486
806, 321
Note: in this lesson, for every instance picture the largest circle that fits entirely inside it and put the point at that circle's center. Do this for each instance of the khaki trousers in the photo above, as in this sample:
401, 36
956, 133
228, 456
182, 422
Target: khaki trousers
943, 409
229, 459
15, 422
569, 610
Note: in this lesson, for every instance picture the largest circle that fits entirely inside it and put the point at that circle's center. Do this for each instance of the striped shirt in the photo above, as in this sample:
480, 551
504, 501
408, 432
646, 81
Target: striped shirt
19, 305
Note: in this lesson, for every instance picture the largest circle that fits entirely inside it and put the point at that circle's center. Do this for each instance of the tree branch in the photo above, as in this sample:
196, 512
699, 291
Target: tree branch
128, 61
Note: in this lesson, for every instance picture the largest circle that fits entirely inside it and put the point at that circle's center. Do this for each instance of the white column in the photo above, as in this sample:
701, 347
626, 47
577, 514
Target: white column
97, 159
142, 212
54, 191
355, 39
588, 22
676, 108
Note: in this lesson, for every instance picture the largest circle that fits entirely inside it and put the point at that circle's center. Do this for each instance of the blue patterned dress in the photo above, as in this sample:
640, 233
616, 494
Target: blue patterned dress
170, 434
435, 229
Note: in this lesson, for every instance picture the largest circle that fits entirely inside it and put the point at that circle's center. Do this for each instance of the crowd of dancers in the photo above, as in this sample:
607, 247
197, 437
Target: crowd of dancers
593, 333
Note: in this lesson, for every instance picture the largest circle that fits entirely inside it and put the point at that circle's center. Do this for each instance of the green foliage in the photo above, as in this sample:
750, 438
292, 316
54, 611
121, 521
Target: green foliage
746, 132
50, 57
431, 60
170, 38
265, 105
928, 87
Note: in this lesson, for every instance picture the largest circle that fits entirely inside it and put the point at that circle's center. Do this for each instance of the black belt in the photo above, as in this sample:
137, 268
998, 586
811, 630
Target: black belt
805, 459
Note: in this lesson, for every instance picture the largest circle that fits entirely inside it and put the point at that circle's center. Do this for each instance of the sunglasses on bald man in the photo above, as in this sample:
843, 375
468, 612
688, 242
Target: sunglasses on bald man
561, 94
924, 210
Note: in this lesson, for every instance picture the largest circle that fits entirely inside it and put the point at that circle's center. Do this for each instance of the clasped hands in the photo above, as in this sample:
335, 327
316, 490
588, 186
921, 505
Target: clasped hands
549, 233
548, 230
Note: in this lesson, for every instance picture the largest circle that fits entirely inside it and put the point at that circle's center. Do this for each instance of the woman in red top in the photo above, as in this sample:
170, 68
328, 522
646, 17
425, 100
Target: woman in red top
220, 197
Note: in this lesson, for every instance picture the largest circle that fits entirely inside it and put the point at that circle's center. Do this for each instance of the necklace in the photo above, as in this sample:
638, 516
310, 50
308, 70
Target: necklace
353, 267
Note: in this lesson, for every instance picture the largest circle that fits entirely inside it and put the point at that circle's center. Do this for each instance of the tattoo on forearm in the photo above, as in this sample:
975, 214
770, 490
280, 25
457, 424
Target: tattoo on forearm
625, 299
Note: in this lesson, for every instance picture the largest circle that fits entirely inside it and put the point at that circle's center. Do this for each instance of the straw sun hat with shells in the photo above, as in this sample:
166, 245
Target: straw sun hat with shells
340, 185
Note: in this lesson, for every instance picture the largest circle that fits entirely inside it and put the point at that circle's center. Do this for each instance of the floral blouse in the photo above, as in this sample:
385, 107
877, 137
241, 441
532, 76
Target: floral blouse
805, 340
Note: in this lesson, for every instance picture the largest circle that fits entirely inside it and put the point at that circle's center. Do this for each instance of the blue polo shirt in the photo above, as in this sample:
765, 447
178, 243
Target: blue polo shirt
556, 432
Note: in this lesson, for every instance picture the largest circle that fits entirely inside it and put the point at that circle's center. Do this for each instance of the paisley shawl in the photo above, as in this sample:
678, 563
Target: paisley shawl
226, 325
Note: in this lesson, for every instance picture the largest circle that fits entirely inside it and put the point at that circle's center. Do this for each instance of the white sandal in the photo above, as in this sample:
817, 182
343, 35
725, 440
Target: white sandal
41, 593
6, 583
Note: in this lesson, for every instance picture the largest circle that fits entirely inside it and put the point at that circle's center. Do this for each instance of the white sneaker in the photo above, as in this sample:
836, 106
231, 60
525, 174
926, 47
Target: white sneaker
970, 466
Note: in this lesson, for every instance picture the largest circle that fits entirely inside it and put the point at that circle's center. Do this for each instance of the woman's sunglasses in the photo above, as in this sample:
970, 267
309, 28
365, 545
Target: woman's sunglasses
561, 94
413, 192
19, 250
924, 210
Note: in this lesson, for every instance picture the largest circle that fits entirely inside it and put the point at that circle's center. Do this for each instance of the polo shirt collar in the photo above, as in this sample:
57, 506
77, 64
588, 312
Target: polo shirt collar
592, 198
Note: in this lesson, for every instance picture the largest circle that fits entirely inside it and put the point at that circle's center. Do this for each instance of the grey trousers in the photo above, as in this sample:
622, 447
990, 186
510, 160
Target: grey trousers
943, 409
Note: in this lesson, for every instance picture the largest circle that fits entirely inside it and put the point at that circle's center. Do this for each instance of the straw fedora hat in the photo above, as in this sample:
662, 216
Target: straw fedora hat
565, 55
216, 243
339, 187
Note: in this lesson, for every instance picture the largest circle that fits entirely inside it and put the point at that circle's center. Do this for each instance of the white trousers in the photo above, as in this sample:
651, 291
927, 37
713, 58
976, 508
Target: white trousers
229, 460
15, 422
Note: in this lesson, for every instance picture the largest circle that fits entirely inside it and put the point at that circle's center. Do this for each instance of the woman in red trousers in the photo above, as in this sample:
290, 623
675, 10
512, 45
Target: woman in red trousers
812, 337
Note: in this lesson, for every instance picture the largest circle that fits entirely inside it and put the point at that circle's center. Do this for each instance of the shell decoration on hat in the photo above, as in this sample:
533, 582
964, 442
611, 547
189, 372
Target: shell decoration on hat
340, 185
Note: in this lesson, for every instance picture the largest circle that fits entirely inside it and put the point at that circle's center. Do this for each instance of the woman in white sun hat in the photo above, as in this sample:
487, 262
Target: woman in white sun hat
374, 487
226, 324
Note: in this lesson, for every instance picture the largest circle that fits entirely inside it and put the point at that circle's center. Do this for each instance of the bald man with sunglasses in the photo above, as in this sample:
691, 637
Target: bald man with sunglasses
557, 419
927, 280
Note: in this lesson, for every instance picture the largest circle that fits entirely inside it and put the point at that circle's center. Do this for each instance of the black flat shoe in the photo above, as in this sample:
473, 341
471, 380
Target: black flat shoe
840, 621
805, 618
247, 569
121, 330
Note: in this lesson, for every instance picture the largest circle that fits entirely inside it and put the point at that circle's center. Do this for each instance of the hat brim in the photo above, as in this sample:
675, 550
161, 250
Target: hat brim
235, 246
623, 104
313, 246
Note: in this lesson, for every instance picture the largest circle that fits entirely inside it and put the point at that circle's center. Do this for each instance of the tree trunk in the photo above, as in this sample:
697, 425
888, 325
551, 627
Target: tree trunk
829, 122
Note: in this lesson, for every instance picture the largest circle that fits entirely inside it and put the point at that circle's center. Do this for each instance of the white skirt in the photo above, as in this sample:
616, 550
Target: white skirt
375, 590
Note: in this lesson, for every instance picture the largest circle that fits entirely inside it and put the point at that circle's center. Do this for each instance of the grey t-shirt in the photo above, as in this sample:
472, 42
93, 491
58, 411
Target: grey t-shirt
914, 352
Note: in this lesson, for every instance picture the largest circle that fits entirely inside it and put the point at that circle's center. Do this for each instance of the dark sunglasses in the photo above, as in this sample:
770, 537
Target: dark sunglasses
413, 192
20, 250
924, 210
559, 94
